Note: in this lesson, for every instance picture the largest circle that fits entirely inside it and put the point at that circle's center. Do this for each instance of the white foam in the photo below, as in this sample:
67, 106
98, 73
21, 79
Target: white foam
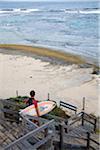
18, 10
3, 12
0, 12
71, 11
83, 11
28, 10
90, 12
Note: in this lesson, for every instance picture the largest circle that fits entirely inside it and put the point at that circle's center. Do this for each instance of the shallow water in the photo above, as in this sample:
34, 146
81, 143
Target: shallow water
67, 26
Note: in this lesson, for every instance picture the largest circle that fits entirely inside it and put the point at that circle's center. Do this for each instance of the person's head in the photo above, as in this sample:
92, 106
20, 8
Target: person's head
32, 93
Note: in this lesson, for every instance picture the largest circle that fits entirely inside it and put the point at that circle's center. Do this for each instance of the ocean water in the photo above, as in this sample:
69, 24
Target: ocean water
65, 26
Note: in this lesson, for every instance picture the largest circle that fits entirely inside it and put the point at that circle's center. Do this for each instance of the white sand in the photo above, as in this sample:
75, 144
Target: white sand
67, 83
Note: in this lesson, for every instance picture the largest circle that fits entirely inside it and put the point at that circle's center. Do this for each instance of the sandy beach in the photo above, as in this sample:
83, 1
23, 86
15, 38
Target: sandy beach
69, 83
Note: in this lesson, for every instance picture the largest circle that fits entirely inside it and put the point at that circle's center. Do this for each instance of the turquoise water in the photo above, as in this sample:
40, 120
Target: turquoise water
66, 26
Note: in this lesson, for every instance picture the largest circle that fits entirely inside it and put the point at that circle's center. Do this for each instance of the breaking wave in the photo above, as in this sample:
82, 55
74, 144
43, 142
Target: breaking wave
24, 10
18, 10
83, 11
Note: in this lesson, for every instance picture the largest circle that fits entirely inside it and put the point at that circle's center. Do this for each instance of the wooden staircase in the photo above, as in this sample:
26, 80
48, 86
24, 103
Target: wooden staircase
11, 131
21, 133
22, 136
78, 133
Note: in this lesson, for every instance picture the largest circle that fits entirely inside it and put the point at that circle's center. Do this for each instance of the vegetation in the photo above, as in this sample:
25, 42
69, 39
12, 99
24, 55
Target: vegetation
18, 100
45, 52
96, 70
20, 104
97, 131
59, 112
15, 103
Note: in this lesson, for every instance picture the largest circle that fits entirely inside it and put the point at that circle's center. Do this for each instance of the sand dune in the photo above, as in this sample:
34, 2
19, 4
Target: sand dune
68, 83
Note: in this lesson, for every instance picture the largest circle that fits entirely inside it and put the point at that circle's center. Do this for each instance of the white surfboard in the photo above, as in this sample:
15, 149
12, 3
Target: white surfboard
44, 107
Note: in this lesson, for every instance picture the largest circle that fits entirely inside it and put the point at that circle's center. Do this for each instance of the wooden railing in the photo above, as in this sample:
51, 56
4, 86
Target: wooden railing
91, 140
82, 118
65, 126
90, 119
87, 140
25, 139
9, 110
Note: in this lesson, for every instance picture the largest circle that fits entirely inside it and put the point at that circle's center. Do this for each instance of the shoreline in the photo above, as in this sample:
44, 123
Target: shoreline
46, 52
64, 81
51, 55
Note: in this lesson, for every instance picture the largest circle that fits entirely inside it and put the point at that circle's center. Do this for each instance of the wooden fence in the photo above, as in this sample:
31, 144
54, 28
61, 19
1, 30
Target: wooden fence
69, 106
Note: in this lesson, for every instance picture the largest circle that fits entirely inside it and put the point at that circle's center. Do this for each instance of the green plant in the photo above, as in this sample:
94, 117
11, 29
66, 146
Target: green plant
59, 112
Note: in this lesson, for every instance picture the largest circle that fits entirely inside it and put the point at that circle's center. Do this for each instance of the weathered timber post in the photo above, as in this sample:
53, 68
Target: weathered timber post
95, 124
75, 112
18, 118
1, 109
17, 93
83, 118
46, 132
48, 96
83, 109
66, 129
83, 104
61, 144
88, 140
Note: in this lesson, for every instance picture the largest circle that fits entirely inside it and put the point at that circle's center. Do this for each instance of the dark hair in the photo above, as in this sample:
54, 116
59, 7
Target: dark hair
32, 93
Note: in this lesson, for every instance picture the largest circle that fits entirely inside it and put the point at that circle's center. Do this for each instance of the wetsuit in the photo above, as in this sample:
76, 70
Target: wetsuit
32, 101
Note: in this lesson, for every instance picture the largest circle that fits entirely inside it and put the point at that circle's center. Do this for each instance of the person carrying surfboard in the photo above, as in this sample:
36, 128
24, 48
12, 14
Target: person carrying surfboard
32, 101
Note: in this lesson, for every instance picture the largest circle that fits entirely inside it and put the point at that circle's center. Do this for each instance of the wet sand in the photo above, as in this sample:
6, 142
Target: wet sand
69, 83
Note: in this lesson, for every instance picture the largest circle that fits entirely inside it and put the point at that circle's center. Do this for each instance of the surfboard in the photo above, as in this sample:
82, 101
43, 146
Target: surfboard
44, 107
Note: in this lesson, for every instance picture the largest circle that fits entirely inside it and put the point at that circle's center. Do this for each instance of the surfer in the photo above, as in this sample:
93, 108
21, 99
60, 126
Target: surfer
32, 101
